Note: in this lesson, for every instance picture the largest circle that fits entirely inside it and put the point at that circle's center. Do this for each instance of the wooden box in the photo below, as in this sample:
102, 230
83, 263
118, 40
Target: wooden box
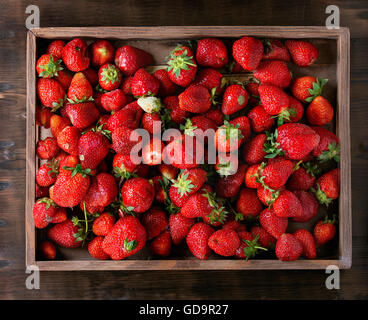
333, 63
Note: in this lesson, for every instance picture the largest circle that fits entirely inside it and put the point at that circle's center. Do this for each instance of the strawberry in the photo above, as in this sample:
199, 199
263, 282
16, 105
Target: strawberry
126, 238
308, 243
82, 115
248, 52
273, 72
167, 87
197, 126
274, 49
47, 173
211, 79
229, 186
41, 192
126, 85
196, 99
150, 104
57, 124
130, 117
319, 112
248, 203
228, 137
215, 115
144, 84
264, 238
288, 248
235, 67
93, 147
75, 55
273, 224
129, 59
43, 116
43, 212
324, 231
253, 152
103, 224
224, 242
177, 114
252, 89
64, 234
211, 52
123, 166
124, 139
56, 48
302, 52
260, 120
109, 77
65, 78
181, 66
267, 195
91, 75
327, 187
307, 88
60, 215
189, 181
167, 171
68, 139
47, 66
287, 205
251, 176
296, 111
51, 93
152, 152
113, 100
161, 245
179, 227
80, 89
235, 98
149, 121
274, 100
328, 147
275, 175
47, 148
303, 177
233, 224
155, 222
249, 246
95, 249
137, 194
71, 186
197, 240
309, 204
48, 250
101, 52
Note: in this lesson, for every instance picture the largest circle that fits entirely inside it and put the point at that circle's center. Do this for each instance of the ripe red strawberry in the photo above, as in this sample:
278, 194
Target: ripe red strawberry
144, 84
51, 93
161, 245
65, 78
56, 48
124, 139
197, 240
137, 194
64, 234
274, 100
41, 191
275, 50
130, 117
264, 238
309, 204
253, 152
80, 89
233, 224
68, 139
235, 98
177, 114
113, 100
109, 77
95, 249
249, 246
43, 116
123, 166
308, 243
196, 99
57, 124
129, 59
103, 224
248, 52
273, 72
167, 87
287, 205
248, 203
324, 231
126, 238
327, 187
224, 242
149, 122
276, 174
295, 111
273, 224
260, 120
82, 115
182, 66
251, 175
189, 181
210, 78
307, 88
229, 186
211, 52
47, 148
268, 196
197, 126
155, 222
48, 250
101, 52
75, 55
302, 52
47, 173
179, 227
303, 178
288, 248
91, 75
43, 212
228, 137
319, 112
47, 66
126, 85
328, 147
215, 115
60, 215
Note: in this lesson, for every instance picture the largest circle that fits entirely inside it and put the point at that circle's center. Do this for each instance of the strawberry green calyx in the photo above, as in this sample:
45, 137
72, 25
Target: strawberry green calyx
188, 128
334, 219
105, 132
316, 89
180, 62
100, 89
252, 248
333, 152
225, 169
51, 69
183, 184
48, 202
78, 169
54, 167
321, 196
130, 245
110, 74
311, 169
213, 96
231, 131
123, 173
285, 115
57, 105
75, 100
271, 146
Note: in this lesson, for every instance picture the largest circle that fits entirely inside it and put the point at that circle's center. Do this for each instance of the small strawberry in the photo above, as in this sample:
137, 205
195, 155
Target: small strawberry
235, 98
253, 152
144, 84
307, 88
51, 93
273, 224
47, 148
252, 174
308, 243
150, 104
57, 124
124, 139
211, 52
48, 250
211, 79
275, 174
123, 166
228, 137
324, 231
82, 115
248, 203
226, 164
179, 227
161, 245
248, 52
126, 238
249, 246
155, 222
274, 100
103, 224
309, 204
113, 100
189, 181
229, 186
47, 66
80, 90
327, 187
267, 195
274, 49
43, 212
196, 99
109, 77
273, 72
328, 147
198, 126
64, 234
303, 177
302, 52
101, 52
167, 87
75, 55
287, 205
197, 240
264, 238
224, 242
95, 249
129, 59
176, 114
47, 173
68, 139
288, 248
60, 215
93, 147
319, 112
260, 120
56, 48
130, 117
176, 198
167, 171
233, 224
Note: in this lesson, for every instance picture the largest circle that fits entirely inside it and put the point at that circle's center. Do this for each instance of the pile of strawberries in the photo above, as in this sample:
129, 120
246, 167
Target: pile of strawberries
276, 161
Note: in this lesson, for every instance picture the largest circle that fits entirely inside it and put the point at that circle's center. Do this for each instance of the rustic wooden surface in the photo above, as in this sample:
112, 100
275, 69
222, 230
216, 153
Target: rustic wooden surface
158, 284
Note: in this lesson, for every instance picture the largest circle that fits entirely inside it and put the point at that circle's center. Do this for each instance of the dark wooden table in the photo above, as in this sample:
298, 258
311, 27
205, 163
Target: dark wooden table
171, 285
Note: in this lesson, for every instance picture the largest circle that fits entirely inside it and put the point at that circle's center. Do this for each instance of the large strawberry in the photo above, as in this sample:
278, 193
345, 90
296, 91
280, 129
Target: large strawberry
302, 52
126, 238
103, 224
327, 187
275, 174
101, 52
47, 66
274, 100
82, 115
93, 147
80, 89
130, 117
224, 242
328, 147
189, 181
273, 224
65, 234
129, 59
144, 84
248, 52
113, 100
253, 152
211, 52
51, 93
235, 98
288, 247
109, 77
197, 240
75, 55
287, 205
196, 99
273, 72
